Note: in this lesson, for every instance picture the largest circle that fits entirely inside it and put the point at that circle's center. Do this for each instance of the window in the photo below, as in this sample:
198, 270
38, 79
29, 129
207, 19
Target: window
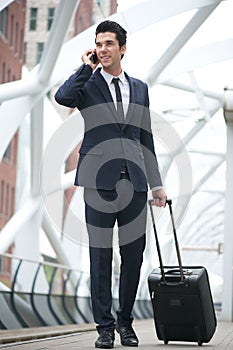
3, 22
3, 72
2, 197
25, 53
16, 37
2, 270
24, 4
12, 201
7, 198
51, 12
9, 75
11, 30
21, 44
40, 48
80, 25
33, 18
7, 154
15, 149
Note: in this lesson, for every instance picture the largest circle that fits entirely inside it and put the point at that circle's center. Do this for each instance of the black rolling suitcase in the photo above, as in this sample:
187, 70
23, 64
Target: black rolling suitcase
181, 298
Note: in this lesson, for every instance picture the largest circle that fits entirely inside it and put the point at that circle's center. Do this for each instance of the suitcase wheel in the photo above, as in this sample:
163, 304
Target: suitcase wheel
165, 342
199, 343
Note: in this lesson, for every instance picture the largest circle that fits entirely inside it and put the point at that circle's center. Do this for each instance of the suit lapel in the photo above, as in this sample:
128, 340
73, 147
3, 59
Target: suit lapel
103, 87
132, 98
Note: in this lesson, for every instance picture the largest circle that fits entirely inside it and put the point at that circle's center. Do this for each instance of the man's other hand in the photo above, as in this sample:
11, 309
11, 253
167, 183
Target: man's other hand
159, 198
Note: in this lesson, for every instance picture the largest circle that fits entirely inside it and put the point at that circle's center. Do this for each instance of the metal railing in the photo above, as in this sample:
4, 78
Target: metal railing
218, 249
41, 293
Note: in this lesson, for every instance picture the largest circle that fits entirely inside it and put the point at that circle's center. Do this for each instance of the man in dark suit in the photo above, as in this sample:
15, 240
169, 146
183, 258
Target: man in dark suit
117, 160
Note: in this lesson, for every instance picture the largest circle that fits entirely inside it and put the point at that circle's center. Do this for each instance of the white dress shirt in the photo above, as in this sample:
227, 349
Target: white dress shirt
124, 86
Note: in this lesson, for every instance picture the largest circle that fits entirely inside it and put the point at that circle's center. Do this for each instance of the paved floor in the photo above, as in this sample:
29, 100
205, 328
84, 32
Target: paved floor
85, 338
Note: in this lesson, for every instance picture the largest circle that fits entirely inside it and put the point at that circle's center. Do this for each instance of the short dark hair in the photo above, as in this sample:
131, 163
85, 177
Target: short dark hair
113, 27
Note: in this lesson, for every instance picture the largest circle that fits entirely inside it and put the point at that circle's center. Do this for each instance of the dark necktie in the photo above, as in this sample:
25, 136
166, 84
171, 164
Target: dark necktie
120, 111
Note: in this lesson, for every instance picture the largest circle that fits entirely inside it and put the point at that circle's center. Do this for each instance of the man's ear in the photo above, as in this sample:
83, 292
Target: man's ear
123, 49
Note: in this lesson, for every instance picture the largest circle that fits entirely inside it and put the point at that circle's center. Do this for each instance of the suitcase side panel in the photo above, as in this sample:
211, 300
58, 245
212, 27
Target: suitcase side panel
207, 305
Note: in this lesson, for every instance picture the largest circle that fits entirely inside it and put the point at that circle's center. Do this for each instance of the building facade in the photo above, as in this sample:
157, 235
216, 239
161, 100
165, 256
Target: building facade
12, 24
39, 19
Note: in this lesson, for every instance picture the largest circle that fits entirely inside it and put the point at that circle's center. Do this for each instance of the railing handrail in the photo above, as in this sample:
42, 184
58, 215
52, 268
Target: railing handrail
46, 263
219, 248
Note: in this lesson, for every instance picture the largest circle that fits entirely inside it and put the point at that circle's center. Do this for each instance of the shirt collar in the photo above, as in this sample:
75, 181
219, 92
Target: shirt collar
108, 77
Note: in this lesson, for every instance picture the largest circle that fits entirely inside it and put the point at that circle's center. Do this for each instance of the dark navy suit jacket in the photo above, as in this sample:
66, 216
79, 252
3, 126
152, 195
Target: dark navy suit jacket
106, 142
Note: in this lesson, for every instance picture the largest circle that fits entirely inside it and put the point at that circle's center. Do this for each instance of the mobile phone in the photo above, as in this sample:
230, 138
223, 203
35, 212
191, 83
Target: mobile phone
94, 58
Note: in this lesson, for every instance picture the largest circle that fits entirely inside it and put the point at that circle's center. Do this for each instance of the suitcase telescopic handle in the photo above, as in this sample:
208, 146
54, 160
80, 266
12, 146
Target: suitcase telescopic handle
169, 202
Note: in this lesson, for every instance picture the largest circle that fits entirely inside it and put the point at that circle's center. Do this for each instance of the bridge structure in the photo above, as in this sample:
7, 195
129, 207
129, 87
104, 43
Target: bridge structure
184, 51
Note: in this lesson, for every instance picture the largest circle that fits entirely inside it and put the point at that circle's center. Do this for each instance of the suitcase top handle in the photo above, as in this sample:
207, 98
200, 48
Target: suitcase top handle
169, 202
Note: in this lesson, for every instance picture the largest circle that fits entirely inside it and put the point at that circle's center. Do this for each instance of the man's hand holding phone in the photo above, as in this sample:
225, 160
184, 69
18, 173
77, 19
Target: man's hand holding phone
90, 57
94, 57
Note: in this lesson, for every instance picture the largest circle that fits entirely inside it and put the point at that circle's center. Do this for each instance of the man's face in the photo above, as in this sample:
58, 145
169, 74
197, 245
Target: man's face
108, 50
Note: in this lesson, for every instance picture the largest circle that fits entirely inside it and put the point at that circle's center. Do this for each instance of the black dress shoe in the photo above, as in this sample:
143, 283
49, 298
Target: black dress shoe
127, 335
105, 340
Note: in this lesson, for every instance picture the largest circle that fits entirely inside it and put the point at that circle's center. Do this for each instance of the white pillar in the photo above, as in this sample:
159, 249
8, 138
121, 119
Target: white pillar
37, 122
227, 299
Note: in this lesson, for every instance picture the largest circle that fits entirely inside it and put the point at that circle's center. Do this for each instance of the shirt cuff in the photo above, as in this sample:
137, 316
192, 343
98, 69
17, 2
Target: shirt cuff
156, 188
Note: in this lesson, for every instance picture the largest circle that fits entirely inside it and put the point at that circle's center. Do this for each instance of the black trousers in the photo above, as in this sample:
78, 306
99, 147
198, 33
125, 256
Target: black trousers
103, 209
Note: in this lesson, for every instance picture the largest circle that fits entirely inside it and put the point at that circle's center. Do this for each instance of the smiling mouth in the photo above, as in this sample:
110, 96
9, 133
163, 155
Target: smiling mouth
105, 57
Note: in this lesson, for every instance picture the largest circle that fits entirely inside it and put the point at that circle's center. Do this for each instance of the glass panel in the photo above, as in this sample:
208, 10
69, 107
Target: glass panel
33, 18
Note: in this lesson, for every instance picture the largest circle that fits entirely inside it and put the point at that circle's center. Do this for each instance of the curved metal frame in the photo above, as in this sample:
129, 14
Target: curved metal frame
76, 301
64, 297
49, 296
40, 318
17, 314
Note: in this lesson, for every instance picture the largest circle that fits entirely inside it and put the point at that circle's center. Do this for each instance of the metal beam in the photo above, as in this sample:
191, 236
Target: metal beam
185, 87
205, 208
179, 42
5, 3
52, 235
12, 114
192, 59
14, 225
154, 11
26, 86
37, 118
199, 96
206, 176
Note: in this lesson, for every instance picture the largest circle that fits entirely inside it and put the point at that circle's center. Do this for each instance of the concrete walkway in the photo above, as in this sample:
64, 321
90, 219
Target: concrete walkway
83, 337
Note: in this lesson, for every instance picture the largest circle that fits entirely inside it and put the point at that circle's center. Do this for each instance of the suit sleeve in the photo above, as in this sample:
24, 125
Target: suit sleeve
70, 94
150, 159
